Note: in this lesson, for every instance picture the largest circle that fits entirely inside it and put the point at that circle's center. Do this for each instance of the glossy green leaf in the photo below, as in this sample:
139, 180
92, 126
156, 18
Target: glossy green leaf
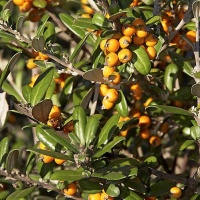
125, 161
186, 144
91, 129
51, 90
38, 43
12, 62
136, 185
4, 144
51, 139
141, 60
30, 162
49, 33
87, 98
170, 76
127, 194
172, 109
79, 94
68, 175
40, 3
40, 88
190, 26
108, 130
42, 24
45, 170
184, 93
4, 194
79, 119
100, 20
121, 105
5, 14
68, 20
85, 23
21, 193
153, 20
26, 92
11, 160
151, 161
195, 132
108, 146
20, 22
113, 190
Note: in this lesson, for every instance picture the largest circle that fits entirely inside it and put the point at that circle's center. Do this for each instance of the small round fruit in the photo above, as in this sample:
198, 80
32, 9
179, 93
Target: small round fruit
191, 35
103, 44
96, 196
128, 30
103, 89
55, 112
87, 9
125, 55
151, 40
59, 161
25, 7
141, 32
18, 2
105, 196
137, 91
107, 104
85, 15
145, 133
111, 59
175, 192
117, 35
155, 140
151, 52
112, 95
137, 40
70, 189
138, 22
42, 146
34, 15
47, 159
125, 41
30, 63
115, 78
144, 121
107, 71
112, 45
123, 133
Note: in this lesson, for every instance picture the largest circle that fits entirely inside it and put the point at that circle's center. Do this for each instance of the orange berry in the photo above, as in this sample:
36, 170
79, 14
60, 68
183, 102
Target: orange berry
175, 192
123, 119
124, 41
138, 22
42, 146
115, 78
30, 63
111, 59
137, 91
59, 161
53, 122
151, 52
103, 89
125, 55
144, 133
85, 15
155, 140
84, 2
148, 101
144, 121
111, 95
18, 2
96, 196
105, 196
137, 40
123, 133
42, 56
135, 113
117, 35
47, 159
107, 71
191, 35
103, 44
70, 189
55, 112
112, 45
107, 104
134, 3
87, 9
151, 40
141, 32
128, 29
25, 7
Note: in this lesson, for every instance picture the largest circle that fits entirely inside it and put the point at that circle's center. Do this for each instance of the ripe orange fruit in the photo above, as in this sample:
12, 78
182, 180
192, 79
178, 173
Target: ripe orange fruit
141, 32
84, 2
107, 104
164, 127
53, 122
151, 52
128, 29
47, 159
96, 196
111, 59
70, 189
107, 71
105, 196
42, 56
59, 161
175, 192
151, 40
137, 91
138, 22
124, 41
148, 101
87, 9
117, 35
155, 140
42, 146
85, 15
191, 35
115, 78
145, 133
125, 55
137, 40
18, 2
111, 95
103, 44
144, 121
135, 112
103, 89
123, 133
30, 64
25, 7
112, 45
55, 112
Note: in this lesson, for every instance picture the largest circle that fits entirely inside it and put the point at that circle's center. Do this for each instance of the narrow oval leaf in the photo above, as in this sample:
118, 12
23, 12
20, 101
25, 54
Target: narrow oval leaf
100, 20
3, 109
39, 89
95, 75
186, 144
195, 132
4, 144
40, 3
11, 160
109, 146
113, 190
85, 23
79, 119
141, 60
38, 43
127, 194
21, 193
108, 129
170, 76
49, 33
20, 22
9, 67
4, 194
121, 105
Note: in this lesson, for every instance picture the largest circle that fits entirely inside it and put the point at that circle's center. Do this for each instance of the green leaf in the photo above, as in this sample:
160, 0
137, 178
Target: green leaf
186, 144
91, 129
68, 175
21, 193
153, 20
121, 105
172, 109
68, 20
4, 144
51, 139
190, 26
79, 119
11, 160
195, 132
108, 130
49, 33
113, 190
40, 88
151, 161
100, 20
85, 23
127, 194
40, 3
135, 184
4, 194
20, 22
141, 60
42, 24
108, 146
9, 67
26, 91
